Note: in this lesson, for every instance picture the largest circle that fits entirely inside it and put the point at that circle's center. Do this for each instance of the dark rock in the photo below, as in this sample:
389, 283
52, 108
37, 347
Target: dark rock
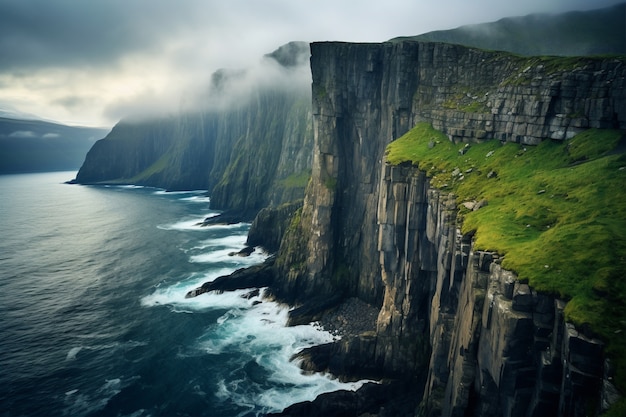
269, 225
251, 294
388, 399
313, 309
243, 252
522, 298
257, 276
229, 217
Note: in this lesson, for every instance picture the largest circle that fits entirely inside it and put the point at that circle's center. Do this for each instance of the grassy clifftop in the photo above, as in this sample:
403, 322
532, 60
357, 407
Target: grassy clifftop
557, 212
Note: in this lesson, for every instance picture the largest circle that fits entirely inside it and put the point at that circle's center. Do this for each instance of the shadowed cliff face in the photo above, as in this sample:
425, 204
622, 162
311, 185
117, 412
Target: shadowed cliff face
244, 154
247, 139
384, 235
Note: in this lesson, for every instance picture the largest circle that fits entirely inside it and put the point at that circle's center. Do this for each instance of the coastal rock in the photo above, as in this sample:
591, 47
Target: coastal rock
366, 95
381, 400
270, 224
257, 276
450, 317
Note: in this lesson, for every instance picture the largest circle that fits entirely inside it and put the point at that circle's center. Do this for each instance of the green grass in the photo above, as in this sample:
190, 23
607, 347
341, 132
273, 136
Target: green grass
551, 65
158, 166
556, 211
299, 180
468, 101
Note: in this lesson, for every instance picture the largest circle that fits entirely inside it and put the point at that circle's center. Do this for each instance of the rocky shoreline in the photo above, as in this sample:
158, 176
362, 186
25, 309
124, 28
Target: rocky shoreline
350, 318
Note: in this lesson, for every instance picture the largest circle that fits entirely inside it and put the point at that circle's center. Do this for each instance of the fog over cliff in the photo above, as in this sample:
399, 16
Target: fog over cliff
92, 63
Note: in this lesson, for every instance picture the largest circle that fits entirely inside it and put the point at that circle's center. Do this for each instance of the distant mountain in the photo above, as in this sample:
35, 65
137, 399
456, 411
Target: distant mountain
38, 146
594, 32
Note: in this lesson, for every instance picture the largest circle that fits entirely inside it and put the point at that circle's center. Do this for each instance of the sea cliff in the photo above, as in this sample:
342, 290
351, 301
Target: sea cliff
452, 319
456, 333
248, 141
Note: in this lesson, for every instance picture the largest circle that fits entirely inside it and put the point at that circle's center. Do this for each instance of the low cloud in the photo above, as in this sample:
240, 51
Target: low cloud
90, 62
286, 69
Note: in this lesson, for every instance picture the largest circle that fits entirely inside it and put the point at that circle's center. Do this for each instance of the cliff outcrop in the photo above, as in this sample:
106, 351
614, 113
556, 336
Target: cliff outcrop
482, 341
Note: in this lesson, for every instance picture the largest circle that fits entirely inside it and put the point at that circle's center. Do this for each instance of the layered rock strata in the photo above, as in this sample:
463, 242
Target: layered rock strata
485, 343
365, 95
497, 347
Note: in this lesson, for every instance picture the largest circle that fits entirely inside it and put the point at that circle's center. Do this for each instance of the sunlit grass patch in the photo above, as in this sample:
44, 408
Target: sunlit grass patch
556, 211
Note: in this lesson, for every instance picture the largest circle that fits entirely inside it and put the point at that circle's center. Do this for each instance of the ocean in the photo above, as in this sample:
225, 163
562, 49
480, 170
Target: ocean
93, 319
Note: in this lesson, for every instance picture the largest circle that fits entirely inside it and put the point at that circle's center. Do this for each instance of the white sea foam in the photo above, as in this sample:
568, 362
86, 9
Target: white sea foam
191, 224
129, 186
224, 250
71, 355
257, 329
197, 199
174, 295
177, 301
260, 332
229, 256
85, 403
232, 241
165, 192
231, 227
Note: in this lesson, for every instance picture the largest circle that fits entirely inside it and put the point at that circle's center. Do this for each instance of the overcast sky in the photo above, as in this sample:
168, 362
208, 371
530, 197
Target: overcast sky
93, 62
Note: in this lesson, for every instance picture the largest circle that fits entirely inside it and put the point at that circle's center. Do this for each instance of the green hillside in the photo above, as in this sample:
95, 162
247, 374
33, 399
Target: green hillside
595, 32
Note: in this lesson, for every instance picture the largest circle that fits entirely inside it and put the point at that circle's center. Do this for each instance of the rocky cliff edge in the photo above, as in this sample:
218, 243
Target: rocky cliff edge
451, 317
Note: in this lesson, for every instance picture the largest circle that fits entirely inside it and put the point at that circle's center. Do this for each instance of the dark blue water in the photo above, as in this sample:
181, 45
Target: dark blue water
93, 319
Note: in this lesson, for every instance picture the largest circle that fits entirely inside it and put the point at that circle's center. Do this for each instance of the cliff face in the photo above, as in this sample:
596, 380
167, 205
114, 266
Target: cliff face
486, 343
150, 153
243, 155
497, 346
271, 142
250, 146
365, 95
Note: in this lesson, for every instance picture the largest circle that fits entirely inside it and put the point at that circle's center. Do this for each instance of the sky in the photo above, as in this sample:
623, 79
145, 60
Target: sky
93, 62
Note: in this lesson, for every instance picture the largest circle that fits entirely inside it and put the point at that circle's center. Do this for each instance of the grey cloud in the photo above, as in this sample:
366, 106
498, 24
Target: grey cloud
41, 33
183, 42
286, 68
73, 102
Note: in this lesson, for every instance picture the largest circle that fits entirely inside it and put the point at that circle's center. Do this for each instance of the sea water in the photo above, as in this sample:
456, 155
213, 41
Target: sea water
93, 315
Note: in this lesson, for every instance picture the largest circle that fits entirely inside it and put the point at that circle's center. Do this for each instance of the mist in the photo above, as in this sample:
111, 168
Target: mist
92, 63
